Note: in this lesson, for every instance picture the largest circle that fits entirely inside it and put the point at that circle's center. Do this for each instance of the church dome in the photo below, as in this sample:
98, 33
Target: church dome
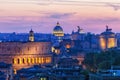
58, 31
58, 28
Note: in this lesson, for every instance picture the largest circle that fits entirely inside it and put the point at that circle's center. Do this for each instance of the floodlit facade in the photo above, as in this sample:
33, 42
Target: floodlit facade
22, 55
107, 39
25, 54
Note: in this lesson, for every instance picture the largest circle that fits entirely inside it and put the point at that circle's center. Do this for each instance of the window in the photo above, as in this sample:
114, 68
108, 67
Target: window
14, 61
43, 79
24, 60
19, 61
28, 60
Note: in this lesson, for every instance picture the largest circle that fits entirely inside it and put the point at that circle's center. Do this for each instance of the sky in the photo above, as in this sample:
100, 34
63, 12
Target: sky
42, 15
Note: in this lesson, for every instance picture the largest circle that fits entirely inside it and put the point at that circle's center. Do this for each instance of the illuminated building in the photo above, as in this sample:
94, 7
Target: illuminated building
107, 39
58, 32
25, 54
58, 35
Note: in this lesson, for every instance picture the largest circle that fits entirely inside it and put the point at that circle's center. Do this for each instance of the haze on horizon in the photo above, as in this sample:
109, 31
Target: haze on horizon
42, 15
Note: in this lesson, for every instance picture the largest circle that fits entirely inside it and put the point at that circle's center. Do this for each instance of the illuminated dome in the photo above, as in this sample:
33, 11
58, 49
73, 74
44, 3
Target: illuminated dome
58, 31
58, 28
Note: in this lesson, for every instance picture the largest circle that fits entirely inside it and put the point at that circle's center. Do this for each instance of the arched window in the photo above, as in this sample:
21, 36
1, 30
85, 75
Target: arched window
24, 60
44, 60
14, 61
19, 61
29, 60
15, 72
36, 60
48, 59
33, 60
40, 60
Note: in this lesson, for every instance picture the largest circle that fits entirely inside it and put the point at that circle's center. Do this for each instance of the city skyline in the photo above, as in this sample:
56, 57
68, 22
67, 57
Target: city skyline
42, 16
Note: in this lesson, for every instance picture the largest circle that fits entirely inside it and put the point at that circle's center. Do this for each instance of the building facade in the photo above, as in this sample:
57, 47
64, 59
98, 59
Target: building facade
25, 54
107, 39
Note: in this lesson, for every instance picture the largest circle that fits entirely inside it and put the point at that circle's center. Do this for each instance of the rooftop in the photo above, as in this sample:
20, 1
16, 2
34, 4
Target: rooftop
4, 65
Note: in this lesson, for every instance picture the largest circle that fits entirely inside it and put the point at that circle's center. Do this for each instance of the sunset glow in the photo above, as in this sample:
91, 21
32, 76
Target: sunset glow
42, 15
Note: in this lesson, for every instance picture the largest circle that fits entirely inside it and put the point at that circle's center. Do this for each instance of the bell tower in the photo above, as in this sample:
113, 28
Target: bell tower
31, 35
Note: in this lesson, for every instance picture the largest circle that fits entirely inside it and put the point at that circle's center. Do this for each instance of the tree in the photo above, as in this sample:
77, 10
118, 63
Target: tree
89, 61
105, 65
103, 60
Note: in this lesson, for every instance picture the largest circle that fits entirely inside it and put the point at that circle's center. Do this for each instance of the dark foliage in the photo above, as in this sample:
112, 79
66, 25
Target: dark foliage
103, 60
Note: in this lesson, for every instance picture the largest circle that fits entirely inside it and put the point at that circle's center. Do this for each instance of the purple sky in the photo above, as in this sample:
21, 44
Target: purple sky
42, 15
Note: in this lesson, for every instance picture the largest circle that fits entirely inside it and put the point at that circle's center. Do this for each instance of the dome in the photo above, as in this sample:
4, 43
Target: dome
58, 31
58, 28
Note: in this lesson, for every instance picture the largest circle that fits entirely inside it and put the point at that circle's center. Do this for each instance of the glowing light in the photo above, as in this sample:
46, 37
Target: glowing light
44, 60
68, 46
36, 60
19, 61
58, 33
24, 60
48, 59
15, 72
102, 43
53, 49
111, 42
107, 43
42, 78
40, 61
29, 60
33, 61
31, 38
14, 61
57, 51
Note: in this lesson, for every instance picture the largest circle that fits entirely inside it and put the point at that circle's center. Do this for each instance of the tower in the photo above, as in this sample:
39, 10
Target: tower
31, 36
